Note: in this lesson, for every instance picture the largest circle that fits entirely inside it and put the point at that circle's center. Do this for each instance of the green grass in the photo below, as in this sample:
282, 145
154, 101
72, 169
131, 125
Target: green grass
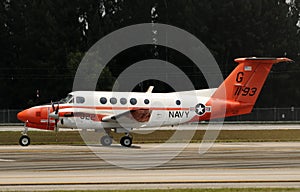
73, 137
203, 190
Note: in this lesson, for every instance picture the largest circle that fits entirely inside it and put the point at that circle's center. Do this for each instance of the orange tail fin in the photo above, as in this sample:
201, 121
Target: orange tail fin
244, 84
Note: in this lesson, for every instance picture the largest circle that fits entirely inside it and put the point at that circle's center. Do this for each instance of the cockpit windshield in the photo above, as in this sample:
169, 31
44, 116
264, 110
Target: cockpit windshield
68, 99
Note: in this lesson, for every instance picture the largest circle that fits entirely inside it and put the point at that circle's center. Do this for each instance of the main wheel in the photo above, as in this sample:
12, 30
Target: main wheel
24, 141
126, 141
106, 140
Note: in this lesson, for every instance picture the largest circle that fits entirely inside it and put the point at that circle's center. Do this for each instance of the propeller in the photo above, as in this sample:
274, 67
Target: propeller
56, 120
54, 115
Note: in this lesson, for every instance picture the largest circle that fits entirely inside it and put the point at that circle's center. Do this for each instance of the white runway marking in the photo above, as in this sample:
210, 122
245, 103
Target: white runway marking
7, 160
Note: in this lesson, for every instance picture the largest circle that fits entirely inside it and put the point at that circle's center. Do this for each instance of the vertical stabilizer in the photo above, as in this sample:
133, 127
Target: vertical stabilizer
242, 87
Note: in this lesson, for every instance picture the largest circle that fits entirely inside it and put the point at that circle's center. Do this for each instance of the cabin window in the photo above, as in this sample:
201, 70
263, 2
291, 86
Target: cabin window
146, 101
113, 100
103, 100
123, 101
178, 102
80, 99
133, 101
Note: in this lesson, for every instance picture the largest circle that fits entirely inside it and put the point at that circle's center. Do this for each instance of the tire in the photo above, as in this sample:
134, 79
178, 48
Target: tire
126, 141
24, 141
106, 140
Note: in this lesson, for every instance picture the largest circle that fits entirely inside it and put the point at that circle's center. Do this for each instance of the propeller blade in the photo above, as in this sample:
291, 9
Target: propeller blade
56, 111
48, 122
53, 108
56, 128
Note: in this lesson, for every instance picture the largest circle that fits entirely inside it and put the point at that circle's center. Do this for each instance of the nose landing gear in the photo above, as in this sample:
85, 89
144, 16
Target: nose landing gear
106, 140
24, 139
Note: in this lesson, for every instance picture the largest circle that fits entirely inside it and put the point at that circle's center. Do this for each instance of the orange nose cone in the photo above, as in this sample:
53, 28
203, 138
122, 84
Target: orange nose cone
22, 115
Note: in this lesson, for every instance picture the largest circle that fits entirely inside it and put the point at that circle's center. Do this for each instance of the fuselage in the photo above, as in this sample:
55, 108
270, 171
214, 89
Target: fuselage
88, 109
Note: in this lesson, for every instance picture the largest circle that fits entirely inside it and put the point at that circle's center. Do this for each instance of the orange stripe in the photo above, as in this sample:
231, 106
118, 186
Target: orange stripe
126, 108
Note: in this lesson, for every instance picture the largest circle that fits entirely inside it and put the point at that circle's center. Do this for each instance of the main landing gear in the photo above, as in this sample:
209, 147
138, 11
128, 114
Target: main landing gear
106, 140
24, 139
125, 141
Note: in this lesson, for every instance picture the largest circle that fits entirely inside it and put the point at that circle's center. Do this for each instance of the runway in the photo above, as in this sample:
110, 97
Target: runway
55, 167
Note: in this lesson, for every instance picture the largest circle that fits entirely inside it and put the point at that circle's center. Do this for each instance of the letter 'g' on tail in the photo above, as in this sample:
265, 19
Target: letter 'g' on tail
244, 84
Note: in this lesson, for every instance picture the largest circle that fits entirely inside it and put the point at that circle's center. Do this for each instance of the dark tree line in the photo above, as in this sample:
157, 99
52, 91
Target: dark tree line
42, 42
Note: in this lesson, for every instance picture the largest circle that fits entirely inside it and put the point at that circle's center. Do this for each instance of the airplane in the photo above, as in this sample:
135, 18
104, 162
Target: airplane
121, 111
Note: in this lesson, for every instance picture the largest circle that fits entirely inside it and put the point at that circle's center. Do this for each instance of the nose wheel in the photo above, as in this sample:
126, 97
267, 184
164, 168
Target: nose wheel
24, 141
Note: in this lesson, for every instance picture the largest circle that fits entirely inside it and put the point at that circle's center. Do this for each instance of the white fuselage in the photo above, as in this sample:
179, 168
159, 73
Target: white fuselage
165, 108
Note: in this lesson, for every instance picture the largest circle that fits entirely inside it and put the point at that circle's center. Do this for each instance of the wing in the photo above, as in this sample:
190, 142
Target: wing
139, 115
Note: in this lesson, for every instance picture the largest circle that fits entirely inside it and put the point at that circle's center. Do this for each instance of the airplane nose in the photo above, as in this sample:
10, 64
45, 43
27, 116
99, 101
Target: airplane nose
22, 116
33, 115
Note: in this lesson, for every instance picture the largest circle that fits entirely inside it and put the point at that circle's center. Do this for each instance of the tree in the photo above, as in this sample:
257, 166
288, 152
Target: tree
42, 42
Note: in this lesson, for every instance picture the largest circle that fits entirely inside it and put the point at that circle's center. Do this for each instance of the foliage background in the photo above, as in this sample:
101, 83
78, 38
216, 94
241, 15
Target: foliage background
43, 41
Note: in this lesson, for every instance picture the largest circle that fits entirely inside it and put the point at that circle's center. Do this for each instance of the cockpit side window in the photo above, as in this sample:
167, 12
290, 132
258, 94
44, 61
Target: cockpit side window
80, 99
72, 100
68, 99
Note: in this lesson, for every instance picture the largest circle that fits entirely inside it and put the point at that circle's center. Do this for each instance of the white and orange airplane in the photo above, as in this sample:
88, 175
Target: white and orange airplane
121, 111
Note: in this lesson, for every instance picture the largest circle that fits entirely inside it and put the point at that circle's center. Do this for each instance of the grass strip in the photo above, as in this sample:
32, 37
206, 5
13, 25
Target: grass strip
74, 137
